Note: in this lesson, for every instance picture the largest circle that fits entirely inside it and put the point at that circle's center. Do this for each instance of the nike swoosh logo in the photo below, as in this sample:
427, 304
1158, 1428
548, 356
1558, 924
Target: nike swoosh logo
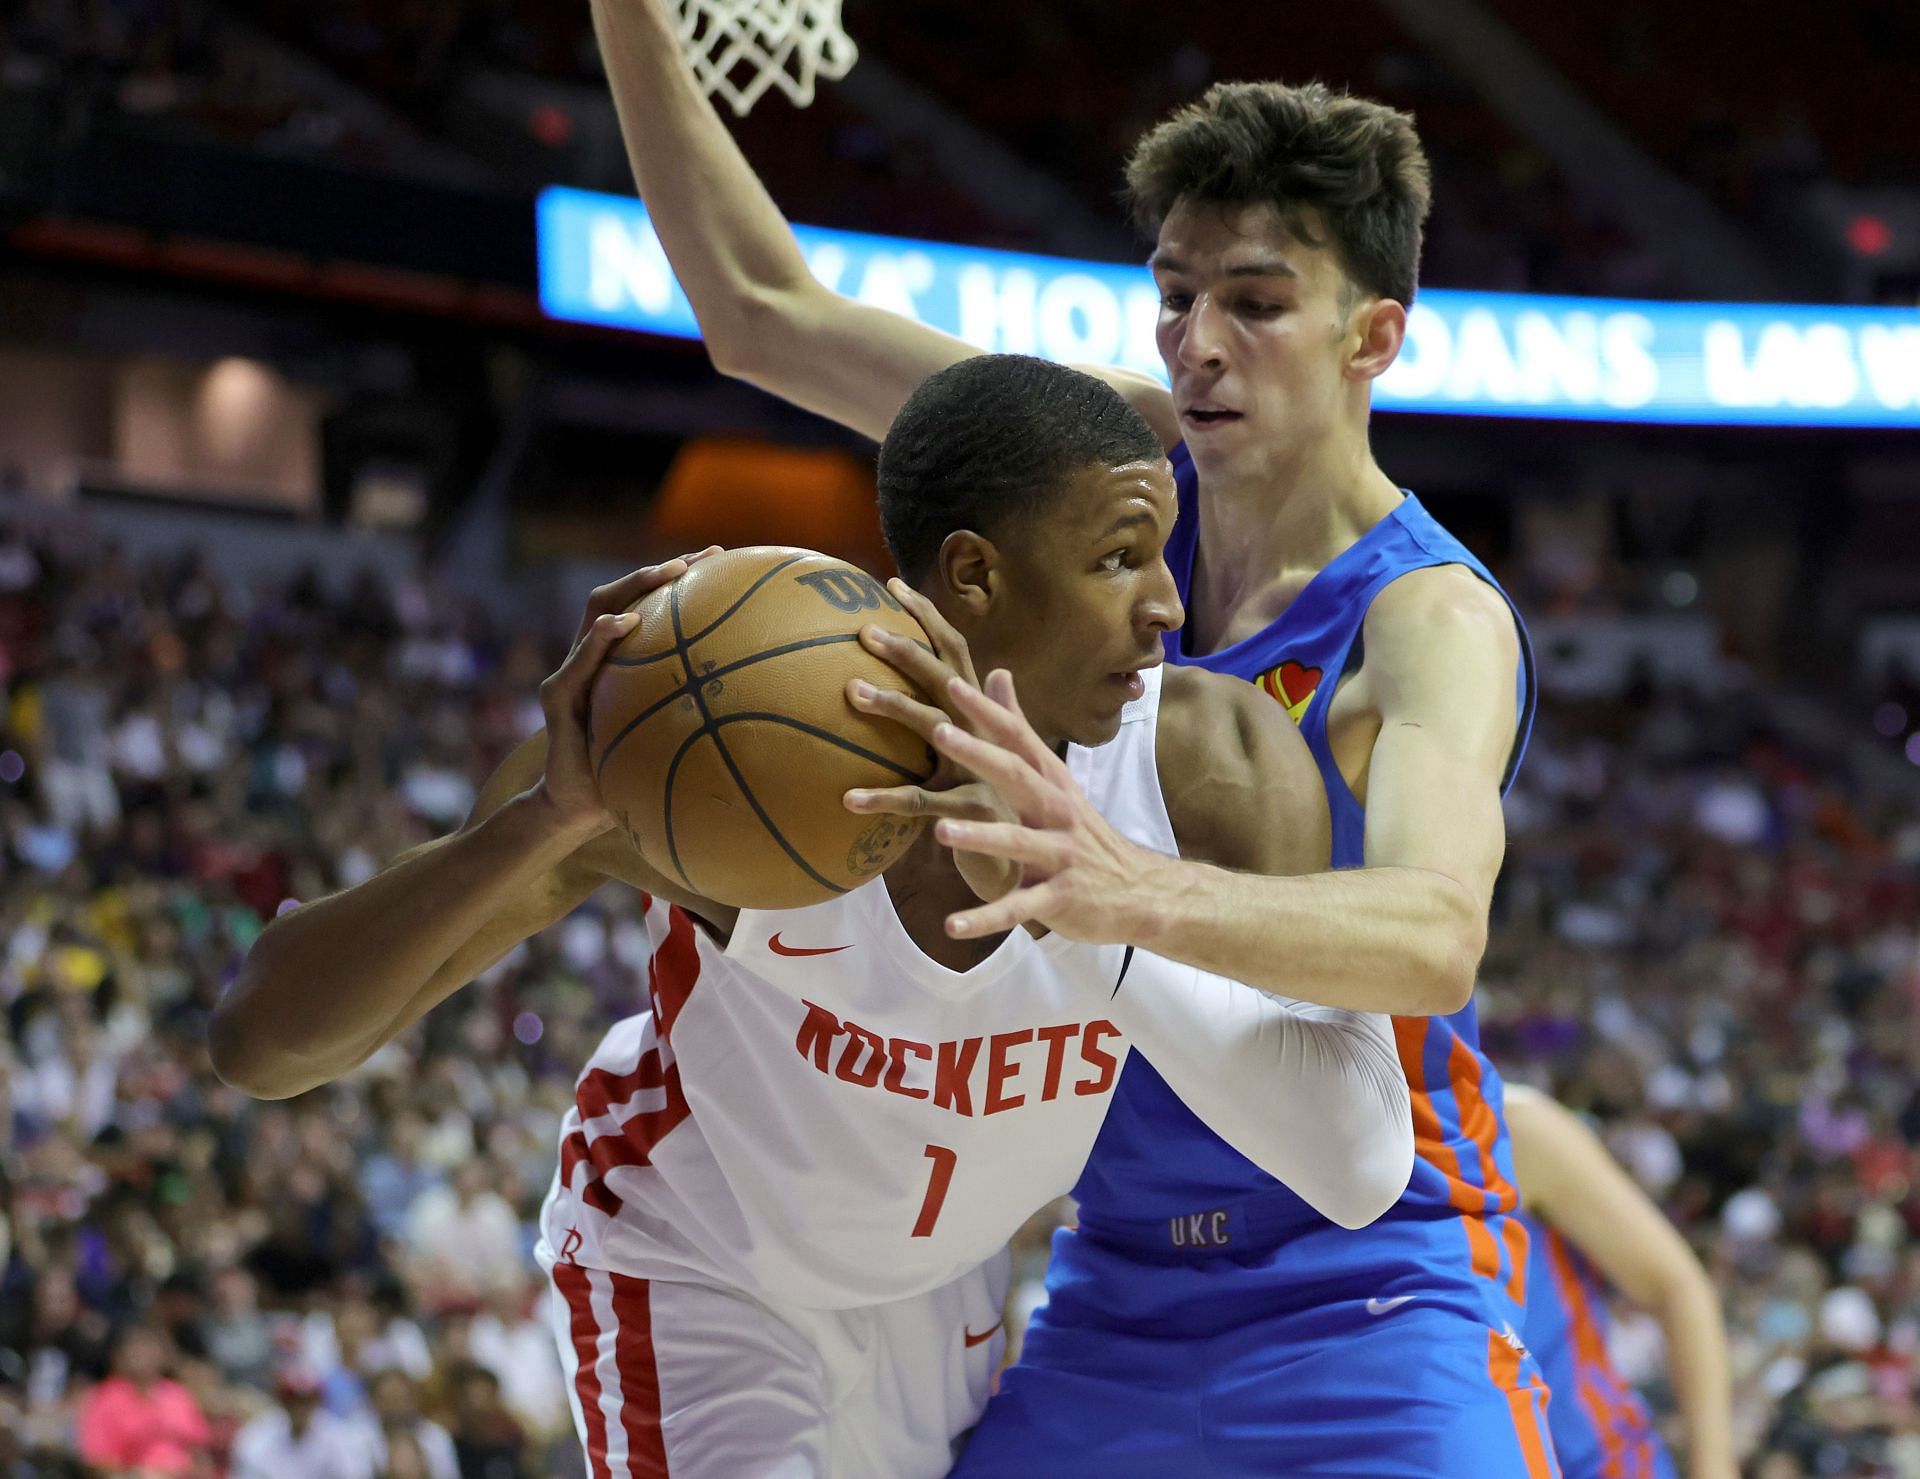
1382, 1306
987, 1334
797, 951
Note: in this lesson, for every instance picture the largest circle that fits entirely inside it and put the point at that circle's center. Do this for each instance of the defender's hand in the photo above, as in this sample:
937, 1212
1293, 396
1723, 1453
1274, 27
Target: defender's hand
567, 786
951, 791
1077, 875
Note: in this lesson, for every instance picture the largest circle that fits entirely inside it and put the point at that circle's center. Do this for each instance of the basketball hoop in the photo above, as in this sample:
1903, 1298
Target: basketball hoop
740, 48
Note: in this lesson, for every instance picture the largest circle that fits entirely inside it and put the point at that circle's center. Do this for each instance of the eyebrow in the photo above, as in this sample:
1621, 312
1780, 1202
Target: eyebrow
1260, 267
1125, 521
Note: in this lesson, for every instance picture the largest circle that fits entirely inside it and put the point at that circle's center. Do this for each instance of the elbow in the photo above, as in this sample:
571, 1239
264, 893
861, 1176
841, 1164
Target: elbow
1454, 951
1381, 1169
243, 1050
239, 1059
1379, 1180
746, 338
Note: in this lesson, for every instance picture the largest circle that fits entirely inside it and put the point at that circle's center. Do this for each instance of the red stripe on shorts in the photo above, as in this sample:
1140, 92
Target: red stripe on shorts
639, 1378
571, 1281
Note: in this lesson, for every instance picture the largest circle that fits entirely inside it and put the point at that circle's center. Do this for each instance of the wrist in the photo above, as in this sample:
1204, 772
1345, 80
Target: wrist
1161, 890
548, 824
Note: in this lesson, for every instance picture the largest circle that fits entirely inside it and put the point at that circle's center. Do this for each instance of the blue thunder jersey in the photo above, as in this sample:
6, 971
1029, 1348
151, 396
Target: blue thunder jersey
1159, 1181
1600, 1426
1203, 1321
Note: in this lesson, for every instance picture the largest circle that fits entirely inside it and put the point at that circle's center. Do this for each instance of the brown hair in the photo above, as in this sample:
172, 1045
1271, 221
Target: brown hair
1358, 162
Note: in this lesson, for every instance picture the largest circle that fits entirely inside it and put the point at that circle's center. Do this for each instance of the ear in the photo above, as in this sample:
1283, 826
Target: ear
966, 574
1375, 333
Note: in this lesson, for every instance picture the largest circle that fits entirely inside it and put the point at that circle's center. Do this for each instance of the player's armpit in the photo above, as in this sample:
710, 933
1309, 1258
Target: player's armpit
1240, 785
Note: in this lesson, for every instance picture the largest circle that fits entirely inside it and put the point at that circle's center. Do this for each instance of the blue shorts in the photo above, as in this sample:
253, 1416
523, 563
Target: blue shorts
1226, 1368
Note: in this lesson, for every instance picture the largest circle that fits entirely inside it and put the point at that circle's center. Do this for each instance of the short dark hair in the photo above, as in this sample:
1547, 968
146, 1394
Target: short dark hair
1358, 162
992, 437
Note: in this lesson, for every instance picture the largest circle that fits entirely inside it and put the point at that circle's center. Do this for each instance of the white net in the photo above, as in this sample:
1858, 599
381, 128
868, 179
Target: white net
740, 48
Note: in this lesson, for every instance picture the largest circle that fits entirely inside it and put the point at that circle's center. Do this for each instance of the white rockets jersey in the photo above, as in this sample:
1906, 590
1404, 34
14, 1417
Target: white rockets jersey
823, 1116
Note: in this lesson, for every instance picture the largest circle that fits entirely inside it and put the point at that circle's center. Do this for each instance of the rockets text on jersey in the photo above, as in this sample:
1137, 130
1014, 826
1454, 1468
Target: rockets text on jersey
820, 1114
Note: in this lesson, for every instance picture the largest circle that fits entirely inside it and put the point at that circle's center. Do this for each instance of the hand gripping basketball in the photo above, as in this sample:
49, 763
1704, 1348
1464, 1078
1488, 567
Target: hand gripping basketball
568, 785
952, 790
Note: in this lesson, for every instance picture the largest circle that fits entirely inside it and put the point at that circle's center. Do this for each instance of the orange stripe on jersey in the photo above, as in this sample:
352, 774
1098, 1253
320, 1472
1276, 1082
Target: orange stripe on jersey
1513, 1232
1478, 1121
1503, 1365
1589, 1355
1430, 1144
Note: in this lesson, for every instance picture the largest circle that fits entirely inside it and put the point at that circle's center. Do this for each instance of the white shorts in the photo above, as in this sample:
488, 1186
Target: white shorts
686, 1380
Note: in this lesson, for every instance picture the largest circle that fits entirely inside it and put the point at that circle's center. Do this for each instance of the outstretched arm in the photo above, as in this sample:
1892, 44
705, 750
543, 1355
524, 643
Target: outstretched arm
328, 984
1571, 1182
764, 316
1314, 1096
1402, 935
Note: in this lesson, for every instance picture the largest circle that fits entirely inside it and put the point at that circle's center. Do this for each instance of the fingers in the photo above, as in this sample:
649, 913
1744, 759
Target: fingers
947, 641
1012, 777
1045, 852
618, 595
917, 801
996, 715
901, 708
928, 671
1004, 913
566, 688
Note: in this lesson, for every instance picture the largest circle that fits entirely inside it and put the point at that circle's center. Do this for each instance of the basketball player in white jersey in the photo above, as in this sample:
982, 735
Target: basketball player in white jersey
777, 1233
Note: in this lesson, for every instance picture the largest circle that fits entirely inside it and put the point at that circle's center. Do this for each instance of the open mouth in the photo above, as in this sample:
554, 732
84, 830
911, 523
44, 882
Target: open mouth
1209, 416
1131, 682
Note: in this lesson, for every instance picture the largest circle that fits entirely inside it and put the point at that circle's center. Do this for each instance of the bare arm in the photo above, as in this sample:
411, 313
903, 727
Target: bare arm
764, 316
1241, 787
328, 984
1569, 1180
1402, 935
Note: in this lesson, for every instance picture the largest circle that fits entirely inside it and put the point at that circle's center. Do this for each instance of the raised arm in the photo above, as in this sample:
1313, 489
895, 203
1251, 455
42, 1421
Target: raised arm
1402, 935
1571, 1182
329, 983
764, 316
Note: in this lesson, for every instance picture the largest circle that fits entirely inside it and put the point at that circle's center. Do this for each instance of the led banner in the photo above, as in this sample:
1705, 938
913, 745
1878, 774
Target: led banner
1467, 353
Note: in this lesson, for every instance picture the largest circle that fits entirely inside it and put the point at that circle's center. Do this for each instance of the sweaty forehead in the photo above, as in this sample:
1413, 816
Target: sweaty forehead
1102, 496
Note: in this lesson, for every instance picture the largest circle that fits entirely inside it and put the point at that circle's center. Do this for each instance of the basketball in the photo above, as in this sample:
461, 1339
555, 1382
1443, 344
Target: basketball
723, 739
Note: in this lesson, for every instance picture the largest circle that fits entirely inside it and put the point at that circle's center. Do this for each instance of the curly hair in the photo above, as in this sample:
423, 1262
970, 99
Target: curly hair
1359, 163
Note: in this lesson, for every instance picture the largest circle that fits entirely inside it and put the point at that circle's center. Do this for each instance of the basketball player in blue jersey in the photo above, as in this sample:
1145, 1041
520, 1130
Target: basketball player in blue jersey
1202, 1320
1590, 1226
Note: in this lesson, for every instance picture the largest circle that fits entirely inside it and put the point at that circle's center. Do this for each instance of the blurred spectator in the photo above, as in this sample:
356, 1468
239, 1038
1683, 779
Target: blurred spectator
488, 1441
396, 1434
464, 1238
299, 1439
139, 1420
511, 1339
1707, 937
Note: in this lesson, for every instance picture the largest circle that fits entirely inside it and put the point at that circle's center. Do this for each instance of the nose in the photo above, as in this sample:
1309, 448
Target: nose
1201, 334
1160, 608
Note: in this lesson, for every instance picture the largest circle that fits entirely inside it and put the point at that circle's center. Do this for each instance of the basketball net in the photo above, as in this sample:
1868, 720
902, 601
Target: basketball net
740, 48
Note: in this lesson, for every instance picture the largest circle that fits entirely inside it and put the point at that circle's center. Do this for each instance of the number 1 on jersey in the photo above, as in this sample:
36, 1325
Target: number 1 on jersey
943, 1164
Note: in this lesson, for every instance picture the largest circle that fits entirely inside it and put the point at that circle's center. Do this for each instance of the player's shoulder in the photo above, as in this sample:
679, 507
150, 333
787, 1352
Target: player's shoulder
1444, 593
1215, 712
1241, 788
1444, 612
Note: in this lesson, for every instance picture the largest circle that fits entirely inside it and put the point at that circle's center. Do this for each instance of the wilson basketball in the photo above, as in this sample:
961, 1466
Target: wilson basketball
723, 739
